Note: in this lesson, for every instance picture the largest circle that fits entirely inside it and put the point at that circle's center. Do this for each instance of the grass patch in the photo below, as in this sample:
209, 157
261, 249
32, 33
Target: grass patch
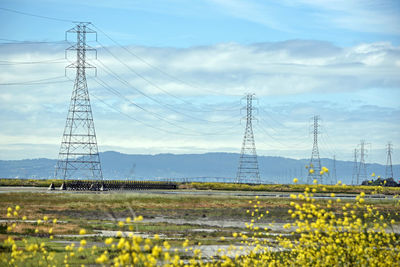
295, 188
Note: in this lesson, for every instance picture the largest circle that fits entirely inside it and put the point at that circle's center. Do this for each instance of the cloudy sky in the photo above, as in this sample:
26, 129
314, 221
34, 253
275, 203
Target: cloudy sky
171, 75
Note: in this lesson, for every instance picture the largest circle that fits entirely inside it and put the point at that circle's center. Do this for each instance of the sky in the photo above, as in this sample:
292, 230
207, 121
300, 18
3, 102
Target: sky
171, 75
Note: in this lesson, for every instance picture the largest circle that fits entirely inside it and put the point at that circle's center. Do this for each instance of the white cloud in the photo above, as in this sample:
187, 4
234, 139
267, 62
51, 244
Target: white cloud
294, 79
293, 67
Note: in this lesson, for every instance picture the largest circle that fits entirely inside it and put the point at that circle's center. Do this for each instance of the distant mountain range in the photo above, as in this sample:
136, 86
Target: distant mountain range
194, 167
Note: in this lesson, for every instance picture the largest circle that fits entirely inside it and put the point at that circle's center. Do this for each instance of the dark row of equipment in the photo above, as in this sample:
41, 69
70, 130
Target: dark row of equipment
81, 185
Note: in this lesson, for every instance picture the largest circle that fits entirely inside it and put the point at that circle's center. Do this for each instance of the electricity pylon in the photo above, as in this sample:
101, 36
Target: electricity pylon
362, 168
248, 164
355, 168
334, 177
79, 155
314, 171
389, 165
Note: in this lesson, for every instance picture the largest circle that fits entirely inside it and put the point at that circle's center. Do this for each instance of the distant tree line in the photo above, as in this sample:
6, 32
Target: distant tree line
382, 182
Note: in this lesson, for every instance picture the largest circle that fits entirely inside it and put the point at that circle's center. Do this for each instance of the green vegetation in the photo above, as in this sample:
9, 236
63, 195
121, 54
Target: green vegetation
377, 188
294, 188
157, 228
30, 182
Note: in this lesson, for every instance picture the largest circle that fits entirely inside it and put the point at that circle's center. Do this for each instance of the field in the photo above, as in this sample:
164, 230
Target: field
234, 187
193, 225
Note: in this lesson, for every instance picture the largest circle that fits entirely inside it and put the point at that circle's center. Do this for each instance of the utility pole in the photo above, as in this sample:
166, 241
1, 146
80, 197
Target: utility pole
315, 161
79, 155
248, 164
362, 168
389, 165
355, 168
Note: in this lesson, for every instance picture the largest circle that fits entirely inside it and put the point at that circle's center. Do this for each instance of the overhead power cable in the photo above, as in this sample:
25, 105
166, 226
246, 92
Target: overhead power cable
50, 61
129, 85
158, 116
169, 107
327, 146
272, 118
151, 65
13, 42
141, 76
34, 15
34, 82
155, 127
115, 92
155, 86
222, 132
263, 130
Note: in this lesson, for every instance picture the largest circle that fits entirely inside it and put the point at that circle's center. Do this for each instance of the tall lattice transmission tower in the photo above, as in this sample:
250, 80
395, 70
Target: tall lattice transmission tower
315, 162
79, 155
389, 165
334, 177
248, 164
355, 168
362, 167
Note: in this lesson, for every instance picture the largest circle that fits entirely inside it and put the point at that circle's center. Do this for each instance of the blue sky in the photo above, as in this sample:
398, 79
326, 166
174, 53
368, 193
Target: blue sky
337, 59
179, 23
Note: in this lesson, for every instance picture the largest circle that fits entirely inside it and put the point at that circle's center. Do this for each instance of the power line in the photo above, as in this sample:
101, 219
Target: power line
50, 61
35, 82
278, 132
325, 135
128, 84
229, 108
272, 118
141, 76
261, 128
133, 118
153, 84
13, 42
167, 106
120, 95
151, 65
115, 92
269, 125
35, 15
155, 127
326, 146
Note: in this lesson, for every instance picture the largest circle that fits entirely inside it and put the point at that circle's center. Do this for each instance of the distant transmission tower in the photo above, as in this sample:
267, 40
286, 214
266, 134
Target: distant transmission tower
315, 162
334, 177
79, 156
131, 172
389, 165
355, 168
248, 164
362, 168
